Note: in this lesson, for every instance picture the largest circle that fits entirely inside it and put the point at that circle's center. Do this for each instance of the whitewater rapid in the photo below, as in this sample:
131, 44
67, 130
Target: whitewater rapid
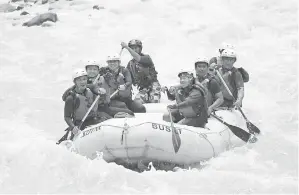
36, 65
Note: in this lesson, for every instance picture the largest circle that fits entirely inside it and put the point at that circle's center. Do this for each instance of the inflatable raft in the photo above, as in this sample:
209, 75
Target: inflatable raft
147, 138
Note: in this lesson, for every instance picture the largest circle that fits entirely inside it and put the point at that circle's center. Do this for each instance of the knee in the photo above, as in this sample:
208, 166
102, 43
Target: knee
140, 108
166, 117
118, 104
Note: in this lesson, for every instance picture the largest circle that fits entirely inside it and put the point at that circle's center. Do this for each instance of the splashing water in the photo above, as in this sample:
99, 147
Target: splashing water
36, 66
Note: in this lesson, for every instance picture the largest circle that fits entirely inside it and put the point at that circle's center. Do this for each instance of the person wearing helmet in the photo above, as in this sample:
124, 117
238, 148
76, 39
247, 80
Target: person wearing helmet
191, 107
79, 101
232, 78
121, 80
98, 77
217, 60
208, 82
95, 82
143, 72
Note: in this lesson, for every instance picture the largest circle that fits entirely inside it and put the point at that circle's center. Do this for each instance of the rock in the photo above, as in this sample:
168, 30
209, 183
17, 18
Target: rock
44, 1
40, 19
30, 1
19, 7
24, 13
6, 7
98, 7
15, 1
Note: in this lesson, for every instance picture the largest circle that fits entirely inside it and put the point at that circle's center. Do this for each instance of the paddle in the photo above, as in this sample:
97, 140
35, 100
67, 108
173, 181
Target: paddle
240, 133
176, 140
65, 136
252, 128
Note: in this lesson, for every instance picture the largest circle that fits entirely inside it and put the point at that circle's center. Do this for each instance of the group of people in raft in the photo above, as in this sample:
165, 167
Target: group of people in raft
196, 96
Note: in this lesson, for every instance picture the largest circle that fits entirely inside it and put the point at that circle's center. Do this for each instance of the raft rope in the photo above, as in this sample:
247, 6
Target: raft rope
204, 136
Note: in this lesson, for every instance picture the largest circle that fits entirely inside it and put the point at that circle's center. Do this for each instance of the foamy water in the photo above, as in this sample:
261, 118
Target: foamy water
36, 66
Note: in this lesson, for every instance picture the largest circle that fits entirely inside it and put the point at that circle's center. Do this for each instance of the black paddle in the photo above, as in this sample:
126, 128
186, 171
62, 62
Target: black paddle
240, 133
176, 139
251, 127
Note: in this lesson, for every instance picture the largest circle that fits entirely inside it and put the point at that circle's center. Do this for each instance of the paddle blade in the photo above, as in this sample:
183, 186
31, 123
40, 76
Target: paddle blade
252, 128
176, 140
240, 133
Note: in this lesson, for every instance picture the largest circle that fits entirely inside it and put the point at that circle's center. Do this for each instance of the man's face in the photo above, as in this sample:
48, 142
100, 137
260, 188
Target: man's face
81, 82
92, 71
185, 80
228, 62
113, 65
201, 69
136, 48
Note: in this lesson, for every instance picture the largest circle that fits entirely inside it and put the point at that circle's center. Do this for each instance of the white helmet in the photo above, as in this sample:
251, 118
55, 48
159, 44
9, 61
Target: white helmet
91, 63
229, 53
79, 73
113, 57
190, 73
202, 59
226, 46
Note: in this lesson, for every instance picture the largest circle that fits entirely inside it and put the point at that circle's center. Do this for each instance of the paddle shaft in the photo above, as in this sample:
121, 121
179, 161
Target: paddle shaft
92, 105
220, 119
172, 126
176, 140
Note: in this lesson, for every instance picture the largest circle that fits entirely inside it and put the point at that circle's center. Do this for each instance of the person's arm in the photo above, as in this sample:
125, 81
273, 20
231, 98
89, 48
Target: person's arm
135, 55
215, 89
144, 60
240, 86
128, 78
240, 94
68, 111
170, 95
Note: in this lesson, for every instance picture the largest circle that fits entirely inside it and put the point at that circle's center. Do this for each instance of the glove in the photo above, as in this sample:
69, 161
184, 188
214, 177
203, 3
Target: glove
76, 130
108, 76
101, 91
122, 87
172, 90
174, 106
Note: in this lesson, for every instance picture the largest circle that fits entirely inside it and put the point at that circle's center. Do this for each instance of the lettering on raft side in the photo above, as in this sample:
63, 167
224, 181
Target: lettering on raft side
165, 128
90, 131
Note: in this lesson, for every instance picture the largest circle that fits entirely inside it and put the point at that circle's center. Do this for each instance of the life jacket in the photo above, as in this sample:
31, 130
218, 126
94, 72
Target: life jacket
117, 80
143, 77
243, 72
197, 109
101, 83
230, 79
85, 102
206, 86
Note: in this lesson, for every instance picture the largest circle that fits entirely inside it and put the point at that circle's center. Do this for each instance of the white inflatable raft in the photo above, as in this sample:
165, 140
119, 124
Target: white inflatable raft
147, 138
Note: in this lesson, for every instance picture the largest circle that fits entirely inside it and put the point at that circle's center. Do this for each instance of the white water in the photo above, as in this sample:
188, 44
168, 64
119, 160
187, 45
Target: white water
36, 66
